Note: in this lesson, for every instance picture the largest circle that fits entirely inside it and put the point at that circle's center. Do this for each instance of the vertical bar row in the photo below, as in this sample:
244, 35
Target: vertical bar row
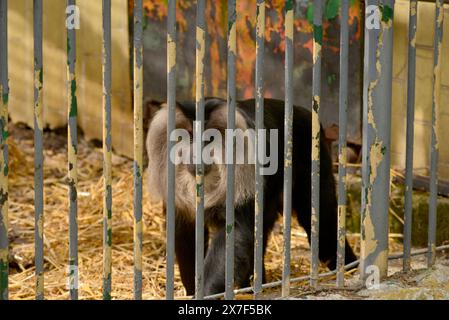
259, 187
434, 151
72, 158
342, 152
4, 95
316, 93
376, 139
410, 133
171, 101
138, 146
199, 128
231, 101
288, 143
38, 152
107, 153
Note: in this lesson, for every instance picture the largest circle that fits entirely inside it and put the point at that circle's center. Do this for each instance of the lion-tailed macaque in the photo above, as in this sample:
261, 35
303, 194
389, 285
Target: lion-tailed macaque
215, 181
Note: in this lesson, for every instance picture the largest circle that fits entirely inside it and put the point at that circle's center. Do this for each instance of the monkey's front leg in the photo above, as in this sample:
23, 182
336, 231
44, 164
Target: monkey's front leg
214, 276
185, 250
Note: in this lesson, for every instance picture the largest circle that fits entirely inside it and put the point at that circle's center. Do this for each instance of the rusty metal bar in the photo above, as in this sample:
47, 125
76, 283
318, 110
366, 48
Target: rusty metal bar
72, 142
138, 147
4, 95
38, 152
231, 102
199, 129
107, 152
259, 196
288, 144
343, 123
171, 102
376, 138
316, 96
410, 133
434, 151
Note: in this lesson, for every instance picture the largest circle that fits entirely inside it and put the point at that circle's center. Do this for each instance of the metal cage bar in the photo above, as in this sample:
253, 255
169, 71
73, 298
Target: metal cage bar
376, 138
434, 147
410, 133
316, 96
138, 146
259, 187
230, 170
38, 152
4, 95
107, 153
342, 151
199, 129
171, 102
288, 144
72, 142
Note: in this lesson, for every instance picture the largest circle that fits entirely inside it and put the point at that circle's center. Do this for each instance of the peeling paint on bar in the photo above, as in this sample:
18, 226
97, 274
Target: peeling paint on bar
138, 146
376, 141
259, 187
107, 152
231, 102
199, 128
410, 134
171, 102
342, 150
288, 145
434, 151
38, 152
72, 141
4, 94
316, 88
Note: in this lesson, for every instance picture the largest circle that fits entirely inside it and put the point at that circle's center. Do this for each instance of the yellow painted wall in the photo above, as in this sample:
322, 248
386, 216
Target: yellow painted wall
89, 67
89, 57
424, 76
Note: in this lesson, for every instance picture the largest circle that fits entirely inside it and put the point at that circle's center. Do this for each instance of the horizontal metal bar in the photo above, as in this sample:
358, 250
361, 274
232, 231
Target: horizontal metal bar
324, 274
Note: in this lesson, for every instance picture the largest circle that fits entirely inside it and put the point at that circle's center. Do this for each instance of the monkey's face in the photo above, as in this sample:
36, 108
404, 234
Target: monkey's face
215, 169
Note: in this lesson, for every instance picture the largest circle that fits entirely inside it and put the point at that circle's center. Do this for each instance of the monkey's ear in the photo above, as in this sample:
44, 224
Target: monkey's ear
150, 107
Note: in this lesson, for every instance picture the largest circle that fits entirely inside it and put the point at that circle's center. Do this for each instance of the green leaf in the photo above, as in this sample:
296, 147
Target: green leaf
331, 10
309, 13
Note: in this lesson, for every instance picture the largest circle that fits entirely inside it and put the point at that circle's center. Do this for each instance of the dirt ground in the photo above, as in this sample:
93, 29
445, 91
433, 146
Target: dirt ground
90, 206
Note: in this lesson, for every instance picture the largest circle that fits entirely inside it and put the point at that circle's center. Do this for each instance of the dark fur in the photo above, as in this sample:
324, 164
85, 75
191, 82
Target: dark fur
214, 277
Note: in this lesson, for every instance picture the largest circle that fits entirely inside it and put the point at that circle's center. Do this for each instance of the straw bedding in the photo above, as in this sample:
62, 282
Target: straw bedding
90, 206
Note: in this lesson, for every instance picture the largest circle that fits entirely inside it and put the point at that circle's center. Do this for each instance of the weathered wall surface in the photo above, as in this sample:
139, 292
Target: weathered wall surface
424, 79
215, 67
89, 66
89, 57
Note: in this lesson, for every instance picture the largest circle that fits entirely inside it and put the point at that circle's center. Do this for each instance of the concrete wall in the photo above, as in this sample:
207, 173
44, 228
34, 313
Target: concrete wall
424, 76
89, 67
